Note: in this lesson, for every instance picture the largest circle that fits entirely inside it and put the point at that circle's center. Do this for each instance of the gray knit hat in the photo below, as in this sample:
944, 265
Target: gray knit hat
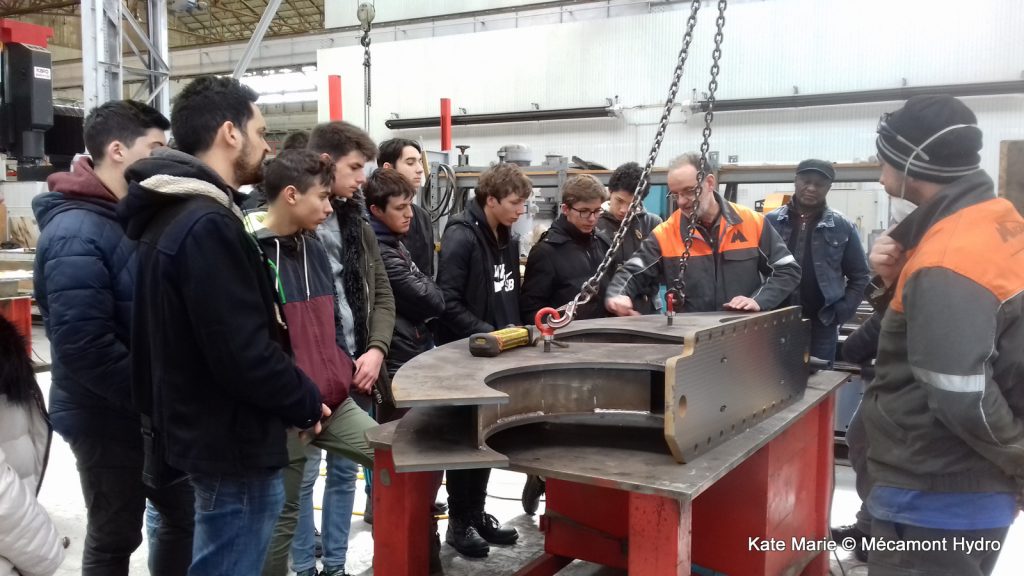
945, 127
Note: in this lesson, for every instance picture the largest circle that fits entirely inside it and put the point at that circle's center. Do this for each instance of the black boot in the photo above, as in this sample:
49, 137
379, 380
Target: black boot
840, 533
464, 538
489, 528
532, 492
368, 512
436, 569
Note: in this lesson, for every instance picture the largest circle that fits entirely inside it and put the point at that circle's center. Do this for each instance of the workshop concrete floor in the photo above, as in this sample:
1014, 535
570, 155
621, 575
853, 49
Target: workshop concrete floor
61, 495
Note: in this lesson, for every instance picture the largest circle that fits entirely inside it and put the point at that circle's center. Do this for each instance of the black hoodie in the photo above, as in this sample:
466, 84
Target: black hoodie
207, 339
558, 265
478, 275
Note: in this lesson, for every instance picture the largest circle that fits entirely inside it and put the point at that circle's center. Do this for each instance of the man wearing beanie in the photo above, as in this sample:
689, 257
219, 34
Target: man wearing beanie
944, 412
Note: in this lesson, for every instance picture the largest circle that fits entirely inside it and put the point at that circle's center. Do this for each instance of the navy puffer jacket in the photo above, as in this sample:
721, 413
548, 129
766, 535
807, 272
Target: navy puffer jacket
84, 278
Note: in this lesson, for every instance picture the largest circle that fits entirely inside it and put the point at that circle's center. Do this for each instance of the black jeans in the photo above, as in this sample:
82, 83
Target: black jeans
954, 560
115, 497
467, 492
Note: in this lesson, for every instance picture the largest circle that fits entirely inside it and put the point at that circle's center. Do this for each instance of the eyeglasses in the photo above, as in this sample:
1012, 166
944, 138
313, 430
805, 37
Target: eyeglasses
688, 194
885, 130
587, 214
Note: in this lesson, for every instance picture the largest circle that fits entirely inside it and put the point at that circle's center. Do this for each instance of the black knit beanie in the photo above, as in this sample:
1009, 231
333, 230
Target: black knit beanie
947, 157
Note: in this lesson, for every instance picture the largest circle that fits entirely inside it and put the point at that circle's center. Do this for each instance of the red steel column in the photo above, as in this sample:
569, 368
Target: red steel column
334, 96
446, 124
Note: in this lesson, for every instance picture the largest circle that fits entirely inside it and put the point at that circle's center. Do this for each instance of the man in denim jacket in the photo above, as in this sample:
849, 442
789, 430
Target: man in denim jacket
828, 248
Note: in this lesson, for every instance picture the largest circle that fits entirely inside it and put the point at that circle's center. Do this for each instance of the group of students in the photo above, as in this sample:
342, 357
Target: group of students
204, 356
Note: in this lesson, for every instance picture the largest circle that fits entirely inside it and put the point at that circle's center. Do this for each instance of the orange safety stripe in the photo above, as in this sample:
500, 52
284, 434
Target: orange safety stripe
744, 235
969, 242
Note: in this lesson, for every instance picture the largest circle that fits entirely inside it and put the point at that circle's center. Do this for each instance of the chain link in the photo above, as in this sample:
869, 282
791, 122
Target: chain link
366, 14
590, 288
679, 285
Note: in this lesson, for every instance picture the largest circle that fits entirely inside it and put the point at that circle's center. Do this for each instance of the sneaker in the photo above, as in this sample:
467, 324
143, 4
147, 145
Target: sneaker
532, 492
462, 536
438, 508
337, 571
491, 530
318, 543
840, 533
310, 572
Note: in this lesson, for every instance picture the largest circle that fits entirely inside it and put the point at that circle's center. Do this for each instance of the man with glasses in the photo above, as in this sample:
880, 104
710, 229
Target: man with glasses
736, 262
944, 414
568, 253
621, 187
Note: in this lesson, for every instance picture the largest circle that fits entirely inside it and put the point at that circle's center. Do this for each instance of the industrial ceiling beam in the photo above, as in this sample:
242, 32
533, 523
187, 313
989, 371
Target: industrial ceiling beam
257, 38
20, 8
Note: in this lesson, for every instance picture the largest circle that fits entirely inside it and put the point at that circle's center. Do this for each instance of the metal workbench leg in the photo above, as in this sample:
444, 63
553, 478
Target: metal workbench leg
748, 522
659, 536
402, 518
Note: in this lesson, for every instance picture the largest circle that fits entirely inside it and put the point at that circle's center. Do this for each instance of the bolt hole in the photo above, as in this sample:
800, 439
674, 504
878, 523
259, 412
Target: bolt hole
722, 409
682, 406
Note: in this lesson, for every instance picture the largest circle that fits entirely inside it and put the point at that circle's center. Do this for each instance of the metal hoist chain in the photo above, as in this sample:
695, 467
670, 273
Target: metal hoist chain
679, 285
590, 288
365, 13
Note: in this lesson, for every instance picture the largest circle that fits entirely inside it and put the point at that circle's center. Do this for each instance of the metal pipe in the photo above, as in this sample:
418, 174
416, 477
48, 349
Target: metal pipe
446, 124
504, 117
334, 97
863, 97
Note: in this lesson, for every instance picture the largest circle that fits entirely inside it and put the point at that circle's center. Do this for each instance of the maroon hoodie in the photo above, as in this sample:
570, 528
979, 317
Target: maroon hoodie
81, 182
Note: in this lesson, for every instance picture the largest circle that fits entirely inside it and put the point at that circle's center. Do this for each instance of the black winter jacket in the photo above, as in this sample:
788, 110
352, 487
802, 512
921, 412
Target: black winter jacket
558, 265
420, 240
206, 337
417, 299
640, 228
478, 275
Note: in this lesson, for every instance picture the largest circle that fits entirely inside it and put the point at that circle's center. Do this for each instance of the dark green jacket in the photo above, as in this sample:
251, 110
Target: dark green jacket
945, 412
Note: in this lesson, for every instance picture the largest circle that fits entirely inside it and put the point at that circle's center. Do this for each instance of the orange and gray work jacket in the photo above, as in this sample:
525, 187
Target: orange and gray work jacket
739, 256
945, 411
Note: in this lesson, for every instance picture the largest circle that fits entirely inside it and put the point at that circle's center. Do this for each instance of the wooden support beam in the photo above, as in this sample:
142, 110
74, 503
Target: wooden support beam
1011, 172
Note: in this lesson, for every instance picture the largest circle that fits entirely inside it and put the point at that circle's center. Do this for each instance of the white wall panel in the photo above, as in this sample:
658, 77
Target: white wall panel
818, 46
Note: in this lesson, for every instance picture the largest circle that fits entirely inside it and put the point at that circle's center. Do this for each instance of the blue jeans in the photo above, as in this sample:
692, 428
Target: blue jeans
824, 340
303, 543
339, 499
235, 516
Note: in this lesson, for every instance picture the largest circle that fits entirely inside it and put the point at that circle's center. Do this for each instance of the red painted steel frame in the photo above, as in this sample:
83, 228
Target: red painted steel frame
782, 491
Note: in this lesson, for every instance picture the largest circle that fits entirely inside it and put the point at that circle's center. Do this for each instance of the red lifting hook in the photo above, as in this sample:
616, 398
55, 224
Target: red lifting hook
670, 307
547, 331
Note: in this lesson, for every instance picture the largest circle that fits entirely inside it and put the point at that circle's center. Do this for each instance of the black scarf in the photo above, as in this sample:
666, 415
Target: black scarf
351, 216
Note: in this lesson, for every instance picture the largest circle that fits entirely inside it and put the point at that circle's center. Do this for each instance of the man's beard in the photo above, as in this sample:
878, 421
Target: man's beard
244, 172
